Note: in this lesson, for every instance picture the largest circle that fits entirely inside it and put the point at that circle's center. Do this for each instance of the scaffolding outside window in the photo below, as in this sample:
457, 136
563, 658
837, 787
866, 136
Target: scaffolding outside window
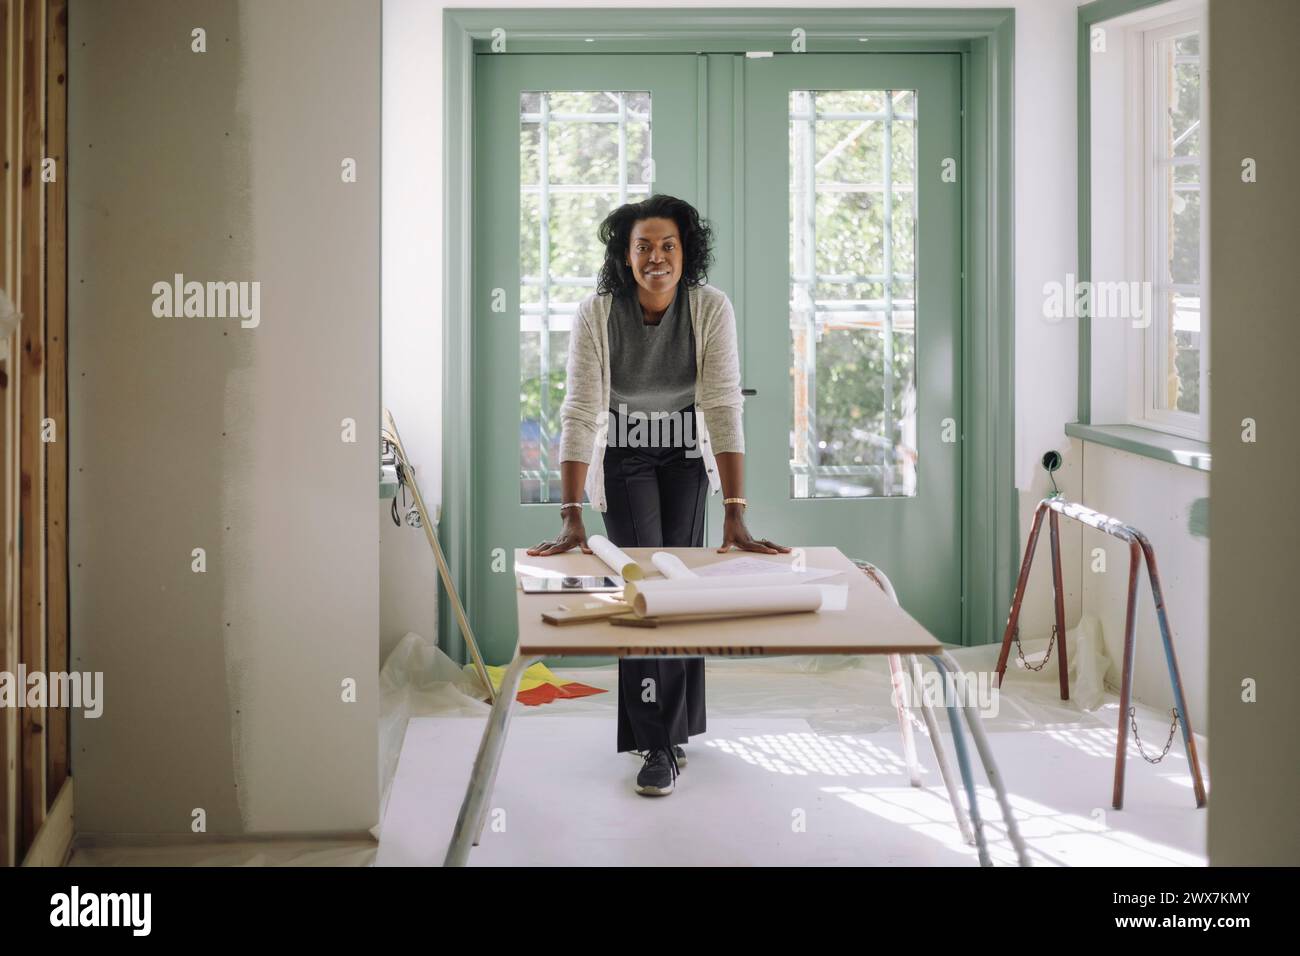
853, 220
581, 155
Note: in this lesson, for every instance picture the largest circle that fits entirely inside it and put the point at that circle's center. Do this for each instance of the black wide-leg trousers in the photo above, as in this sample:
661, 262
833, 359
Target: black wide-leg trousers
655, 499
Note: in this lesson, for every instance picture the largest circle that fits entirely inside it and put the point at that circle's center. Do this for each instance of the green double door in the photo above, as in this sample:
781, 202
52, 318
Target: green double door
833, 184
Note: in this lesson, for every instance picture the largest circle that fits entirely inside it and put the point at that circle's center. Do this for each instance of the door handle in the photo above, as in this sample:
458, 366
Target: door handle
749, 391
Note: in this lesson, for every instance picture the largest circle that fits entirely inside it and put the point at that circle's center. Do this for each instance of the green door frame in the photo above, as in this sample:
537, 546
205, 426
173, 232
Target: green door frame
984, 38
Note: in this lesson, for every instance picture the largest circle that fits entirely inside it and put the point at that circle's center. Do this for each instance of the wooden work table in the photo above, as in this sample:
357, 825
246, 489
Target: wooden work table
869, 624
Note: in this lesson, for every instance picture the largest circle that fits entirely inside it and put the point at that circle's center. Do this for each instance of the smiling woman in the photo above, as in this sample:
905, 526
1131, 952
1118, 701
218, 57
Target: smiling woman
634, 232
654, 340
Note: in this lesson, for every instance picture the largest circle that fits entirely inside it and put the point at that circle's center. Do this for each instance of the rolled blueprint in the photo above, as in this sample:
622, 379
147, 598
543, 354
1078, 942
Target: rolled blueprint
667, 602
670, 566
784, 579
615, 558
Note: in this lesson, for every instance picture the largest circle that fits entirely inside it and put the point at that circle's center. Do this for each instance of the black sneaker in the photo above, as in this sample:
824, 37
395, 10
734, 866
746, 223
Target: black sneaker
678, 751
658, 774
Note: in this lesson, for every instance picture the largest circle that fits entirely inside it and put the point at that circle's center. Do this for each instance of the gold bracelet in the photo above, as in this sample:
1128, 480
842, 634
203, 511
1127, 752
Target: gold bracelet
735, 501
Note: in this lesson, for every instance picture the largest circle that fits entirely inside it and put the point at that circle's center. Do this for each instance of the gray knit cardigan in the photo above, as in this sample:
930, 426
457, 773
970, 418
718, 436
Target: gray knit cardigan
584, 416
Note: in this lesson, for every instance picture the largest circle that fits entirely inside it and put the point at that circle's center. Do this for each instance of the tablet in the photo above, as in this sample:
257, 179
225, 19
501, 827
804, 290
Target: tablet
570, 585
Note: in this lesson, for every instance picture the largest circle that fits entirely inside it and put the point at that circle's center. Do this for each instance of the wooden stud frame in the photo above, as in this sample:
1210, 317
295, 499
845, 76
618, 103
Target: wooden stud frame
34, 742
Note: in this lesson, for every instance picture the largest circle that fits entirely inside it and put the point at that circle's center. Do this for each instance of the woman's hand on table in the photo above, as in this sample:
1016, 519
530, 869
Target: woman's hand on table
735, 534
572, 535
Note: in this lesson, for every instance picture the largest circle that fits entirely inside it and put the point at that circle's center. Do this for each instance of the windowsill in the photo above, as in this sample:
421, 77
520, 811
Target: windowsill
1146, 442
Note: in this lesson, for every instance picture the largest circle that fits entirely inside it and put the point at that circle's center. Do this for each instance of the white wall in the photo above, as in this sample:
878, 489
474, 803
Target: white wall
1156, 497
223, 688
412, 297
1045, 236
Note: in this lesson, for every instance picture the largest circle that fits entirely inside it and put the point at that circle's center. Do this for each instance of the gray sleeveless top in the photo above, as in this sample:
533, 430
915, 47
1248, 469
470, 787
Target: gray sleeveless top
651, 367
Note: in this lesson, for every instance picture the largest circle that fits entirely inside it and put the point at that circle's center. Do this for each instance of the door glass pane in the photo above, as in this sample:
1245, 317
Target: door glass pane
581, 155
853, 293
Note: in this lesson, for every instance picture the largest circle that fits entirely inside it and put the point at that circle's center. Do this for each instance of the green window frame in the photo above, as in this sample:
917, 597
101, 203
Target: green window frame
1146, 442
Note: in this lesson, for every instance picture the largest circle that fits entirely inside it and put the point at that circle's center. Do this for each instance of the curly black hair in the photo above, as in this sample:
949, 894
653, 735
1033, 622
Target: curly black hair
616, 233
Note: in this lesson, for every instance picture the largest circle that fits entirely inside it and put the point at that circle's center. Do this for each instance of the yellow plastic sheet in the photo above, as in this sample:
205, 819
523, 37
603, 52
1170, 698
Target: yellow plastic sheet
535, 676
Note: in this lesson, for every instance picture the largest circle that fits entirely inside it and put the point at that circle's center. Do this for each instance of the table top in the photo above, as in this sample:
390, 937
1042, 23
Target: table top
869, 624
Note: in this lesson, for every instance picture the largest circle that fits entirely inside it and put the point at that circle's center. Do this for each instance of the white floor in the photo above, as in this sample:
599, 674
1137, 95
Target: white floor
802, 766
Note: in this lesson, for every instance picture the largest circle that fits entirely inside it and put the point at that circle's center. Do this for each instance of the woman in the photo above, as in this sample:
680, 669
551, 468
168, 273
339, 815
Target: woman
653, 351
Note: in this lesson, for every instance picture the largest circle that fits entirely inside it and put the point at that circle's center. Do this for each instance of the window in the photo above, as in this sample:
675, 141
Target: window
1146, 297
852, 293
581, 155
1171, 369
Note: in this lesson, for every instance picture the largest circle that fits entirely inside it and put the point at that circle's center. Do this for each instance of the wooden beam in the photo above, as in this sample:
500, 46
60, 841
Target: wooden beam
9, 626
10, 19
56, 378
31, 390
7, 99
53, 843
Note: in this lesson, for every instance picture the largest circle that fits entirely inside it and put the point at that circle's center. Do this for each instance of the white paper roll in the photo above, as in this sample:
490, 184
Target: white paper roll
784, 579
670, 566
615, 558
667, 602
835, 597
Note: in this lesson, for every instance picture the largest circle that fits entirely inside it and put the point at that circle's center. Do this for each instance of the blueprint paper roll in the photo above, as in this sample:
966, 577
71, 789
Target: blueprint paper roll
667, 602
785, 579
748, 581
615, 558
670, 566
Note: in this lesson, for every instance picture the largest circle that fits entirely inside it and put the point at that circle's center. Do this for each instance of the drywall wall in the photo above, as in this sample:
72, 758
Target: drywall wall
224, 669
412, 296
1045, 244
1157, 497
408, 575
1254, 513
